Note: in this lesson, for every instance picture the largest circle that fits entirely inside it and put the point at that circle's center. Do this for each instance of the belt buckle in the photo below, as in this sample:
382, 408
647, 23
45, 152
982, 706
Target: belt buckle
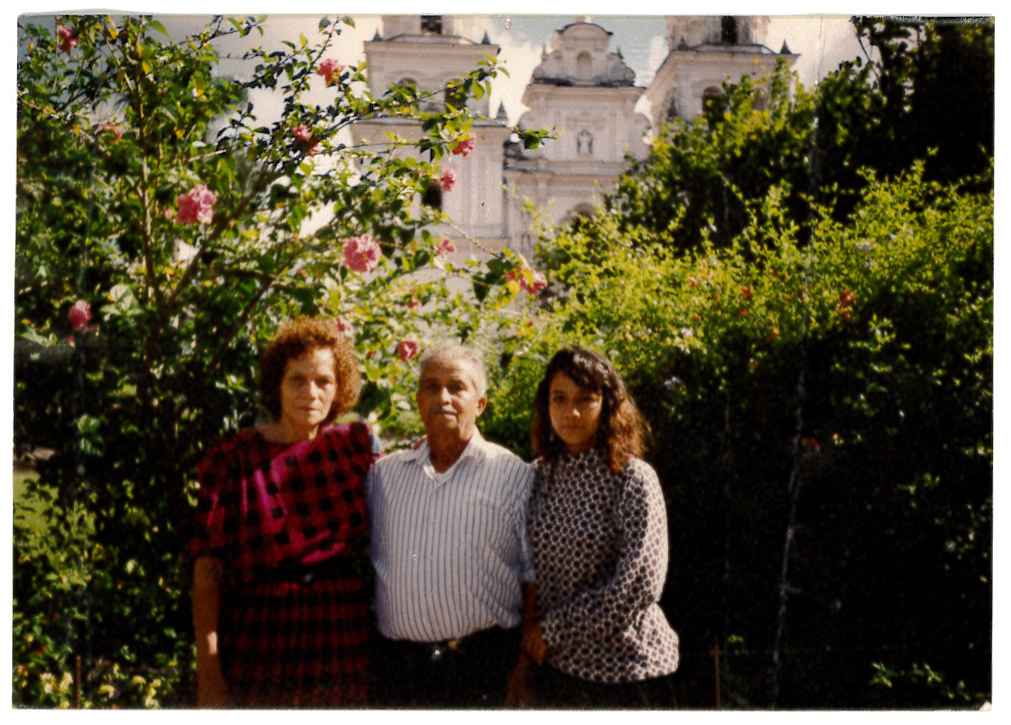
441, 649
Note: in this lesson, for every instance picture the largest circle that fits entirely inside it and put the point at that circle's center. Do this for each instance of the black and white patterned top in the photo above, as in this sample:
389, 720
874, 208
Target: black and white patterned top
599, 545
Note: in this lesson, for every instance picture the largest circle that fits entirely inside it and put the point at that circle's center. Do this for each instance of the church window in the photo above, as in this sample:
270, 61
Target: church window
431, 24
584, 66
584, 143
432, 197
728, 30
579, 213
672, 107
455, 95
709, 97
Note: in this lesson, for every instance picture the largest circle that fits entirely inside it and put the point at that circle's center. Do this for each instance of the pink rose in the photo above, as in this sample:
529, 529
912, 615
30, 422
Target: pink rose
529, 280
447, 180
406, 349
538, 283
79, 315
445, 247
464, 148
196, 206
343, 327
303, 136
66, 38
361, 254
330, 70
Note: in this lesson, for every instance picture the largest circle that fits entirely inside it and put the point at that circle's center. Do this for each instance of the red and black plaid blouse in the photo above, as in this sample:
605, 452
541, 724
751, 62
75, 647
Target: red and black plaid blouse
271, 512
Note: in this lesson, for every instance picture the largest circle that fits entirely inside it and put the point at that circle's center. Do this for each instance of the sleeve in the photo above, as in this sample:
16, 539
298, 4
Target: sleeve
526, 568
639, 573
213, 522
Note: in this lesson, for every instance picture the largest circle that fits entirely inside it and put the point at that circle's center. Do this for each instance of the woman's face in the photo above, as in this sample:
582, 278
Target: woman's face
574, 412
308, 389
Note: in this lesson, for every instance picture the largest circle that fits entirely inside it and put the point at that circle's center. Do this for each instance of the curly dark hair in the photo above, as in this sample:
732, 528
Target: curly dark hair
294, 339
622, 432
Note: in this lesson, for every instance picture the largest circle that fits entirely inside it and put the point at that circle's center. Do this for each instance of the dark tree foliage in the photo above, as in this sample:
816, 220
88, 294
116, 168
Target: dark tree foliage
925, 90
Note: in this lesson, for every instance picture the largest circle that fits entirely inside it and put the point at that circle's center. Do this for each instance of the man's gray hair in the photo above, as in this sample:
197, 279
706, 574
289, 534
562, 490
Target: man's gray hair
455, 351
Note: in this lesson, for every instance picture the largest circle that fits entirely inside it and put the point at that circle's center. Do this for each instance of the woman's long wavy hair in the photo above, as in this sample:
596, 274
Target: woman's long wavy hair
622, 433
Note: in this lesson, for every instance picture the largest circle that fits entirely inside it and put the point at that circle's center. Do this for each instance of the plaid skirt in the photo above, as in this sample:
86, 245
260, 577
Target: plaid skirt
301, 642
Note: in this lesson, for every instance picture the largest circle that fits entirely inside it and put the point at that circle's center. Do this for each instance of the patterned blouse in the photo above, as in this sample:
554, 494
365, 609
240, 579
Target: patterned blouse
599, 543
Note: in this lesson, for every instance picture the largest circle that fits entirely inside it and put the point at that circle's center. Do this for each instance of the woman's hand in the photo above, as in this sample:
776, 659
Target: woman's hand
211, 688
519, 689
532, 644
212, 691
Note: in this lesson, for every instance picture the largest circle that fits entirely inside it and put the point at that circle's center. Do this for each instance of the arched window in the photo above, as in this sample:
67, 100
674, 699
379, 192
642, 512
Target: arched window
455, 96
709, 97
581, 211
432, 197
672, 107
584, 66
728, 30
431, 24
584, 143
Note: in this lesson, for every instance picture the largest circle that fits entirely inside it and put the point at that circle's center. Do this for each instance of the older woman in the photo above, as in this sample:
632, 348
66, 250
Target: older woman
598, 532
280, 608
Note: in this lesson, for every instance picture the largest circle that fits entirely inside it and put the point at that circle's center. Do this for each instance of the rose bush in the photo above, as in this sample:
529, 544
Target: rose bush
192, 231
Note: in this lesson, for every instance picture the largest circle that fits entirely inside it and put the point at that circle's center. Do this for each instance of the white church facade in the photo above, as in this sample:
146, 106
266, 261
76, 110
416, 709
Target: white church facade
582, 90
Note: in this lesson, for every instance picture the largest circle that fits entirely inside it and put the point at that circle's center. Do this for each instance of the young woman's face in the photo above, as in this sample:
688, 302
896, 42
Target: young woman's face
574, 412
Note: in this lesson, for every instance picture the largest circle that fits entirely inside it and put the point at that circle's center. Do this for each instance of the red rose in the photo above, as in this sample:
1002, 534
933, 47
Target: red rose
79, 315
464, 148
407, 349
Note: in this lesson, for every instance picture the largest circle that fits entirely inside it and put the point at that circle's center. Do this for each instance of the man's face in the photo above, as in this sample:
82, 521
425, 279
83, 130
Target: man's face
448, 399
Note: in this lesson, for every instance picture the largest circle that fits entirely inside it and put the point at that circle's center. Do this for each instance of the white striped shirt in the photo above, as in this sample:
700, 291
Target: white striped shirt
449, 548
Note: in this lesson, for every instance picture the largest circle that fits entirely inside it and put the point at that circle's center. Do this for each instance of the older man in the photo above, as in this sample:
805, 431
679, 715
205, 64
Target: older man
448, 548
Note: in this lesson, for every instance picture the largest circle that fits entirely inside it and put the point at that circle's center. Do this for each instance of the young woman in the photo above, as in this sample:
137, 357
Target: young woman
280, 606
598, 532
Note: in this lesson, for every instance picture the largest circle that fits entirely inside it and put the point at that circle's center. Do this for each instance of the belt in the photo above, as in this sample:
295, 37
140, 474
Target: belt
336, 567
444, 649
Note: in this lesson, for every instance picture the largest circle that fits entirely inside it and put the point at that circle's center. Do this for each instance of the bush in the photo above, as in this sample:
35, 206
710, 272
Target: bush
163, 232
822, 421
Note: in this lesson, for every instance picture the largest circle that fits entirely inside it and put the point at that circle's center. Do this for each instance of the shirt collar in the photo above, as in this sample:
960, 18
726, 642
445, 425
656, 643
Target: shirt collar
475, 448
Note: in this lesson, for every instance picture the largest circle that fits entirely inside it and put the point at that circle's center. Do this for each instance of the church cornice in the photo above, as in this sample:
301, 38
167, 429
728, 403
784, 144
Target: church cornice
585, 23
429, 39
742, 49
568, 82
490, 123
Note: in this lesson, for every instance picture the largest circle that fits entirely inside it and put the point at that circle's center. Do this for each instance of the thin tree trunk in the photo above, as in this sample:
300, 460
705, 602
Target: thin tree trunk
793, 490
